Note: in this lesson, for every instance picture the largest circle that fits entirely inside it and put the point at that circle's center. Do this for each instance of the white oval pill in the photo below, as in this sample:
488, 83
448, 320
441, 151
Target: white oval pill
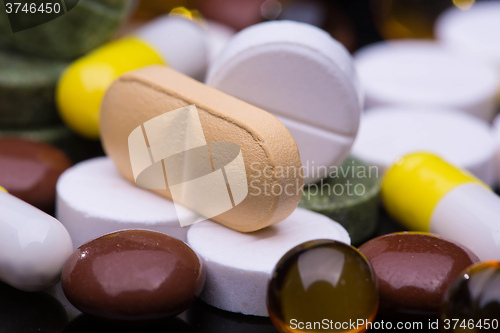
421, 73
388, 133
33, 245
305, 78
93, 200
474, 32
239, 264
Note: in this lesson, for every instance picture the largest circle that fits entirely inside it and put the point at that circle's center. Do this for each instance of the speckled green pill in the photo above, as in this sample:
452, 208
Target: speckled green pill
350, 196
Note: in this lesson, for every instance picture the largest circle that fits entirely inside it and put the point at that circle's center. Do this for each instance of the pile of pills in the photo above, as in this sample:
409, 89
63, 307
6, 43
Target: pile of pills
258, 180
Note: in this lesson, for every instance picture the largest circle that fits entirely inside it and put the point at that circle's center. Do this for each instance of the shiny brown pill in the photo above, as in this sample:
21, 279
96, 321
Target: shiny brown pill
133, 275
29, 170
414, 270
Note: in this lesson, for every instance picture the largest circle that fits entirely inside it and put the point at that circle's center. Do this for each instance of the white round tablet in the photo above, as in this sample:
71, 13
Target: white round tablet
239, 264
93, 200
421, 73
474, 32
218, 36
388, 133
304, 77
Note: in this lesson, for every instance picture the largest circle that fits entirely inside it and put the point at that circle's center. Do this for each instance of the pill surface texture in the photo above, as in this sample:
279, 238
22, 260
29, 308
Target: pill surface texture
388, 133
414, 270
474, 296
322, 279
303, 76
133, 275
33, 245
93, 200
267, 148
239, 265
29, 170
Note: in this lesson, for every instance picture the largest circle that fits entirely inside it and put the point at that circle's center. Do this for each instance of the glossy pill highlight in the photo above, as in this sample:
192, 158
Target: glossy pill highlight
133, 275
318, 280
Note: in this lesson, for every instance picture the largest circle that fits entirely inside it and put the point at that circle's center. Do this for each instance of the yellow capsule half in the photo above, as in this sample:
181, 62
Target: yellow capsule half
414, 185
82, 86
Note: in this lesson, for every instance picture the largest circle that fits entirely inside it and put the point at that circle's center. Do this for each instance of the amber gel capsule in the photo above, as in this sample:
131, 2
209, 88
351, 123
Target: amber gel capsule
322, 286
473, 300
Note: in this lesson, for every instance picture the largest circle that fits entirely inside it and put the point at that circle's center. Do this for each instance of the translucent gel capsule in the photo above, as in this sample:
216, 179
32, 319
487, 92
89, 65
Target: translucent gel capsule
322, 286
473, 300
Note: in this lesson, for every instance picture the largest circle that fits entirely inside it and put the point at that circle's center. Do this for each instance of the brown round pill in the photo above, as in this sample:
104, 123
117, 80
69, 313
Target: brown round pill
414, 269
133, 275
29, 170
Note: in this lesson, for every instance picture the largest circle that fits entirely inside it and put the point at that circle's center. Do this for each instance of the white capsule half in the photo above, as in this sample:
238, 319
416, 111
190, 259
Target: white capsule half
470, 215
33, 245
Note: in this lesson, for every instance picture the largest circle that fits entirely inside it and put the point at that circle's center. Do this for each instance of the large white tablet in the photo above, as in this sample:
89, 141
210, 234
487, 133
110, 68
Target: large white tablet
388, 133
93, 200
304, 77
474, 32
239, 265
422, 73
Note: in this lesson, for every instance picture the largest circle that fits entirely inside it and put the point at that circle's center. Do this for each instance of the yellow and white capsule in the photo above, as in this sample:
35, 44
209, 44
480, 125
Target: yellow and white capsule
169, 40
426, 193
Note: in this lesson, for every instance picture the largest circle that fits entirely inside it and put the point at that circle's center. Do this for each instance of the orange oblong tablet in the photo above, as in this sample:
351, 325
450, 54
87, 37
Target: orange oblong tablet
212, 153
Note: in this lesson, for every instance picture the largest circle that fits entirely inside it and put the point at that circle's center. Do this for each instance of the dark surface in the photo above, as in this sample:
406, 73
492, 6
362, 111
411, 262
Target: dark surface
133, 275
23, 312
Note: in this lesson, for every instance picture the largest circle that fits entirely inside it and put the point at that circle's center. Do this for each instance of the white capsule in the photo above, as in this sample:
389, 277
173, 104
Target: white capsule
33, 245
